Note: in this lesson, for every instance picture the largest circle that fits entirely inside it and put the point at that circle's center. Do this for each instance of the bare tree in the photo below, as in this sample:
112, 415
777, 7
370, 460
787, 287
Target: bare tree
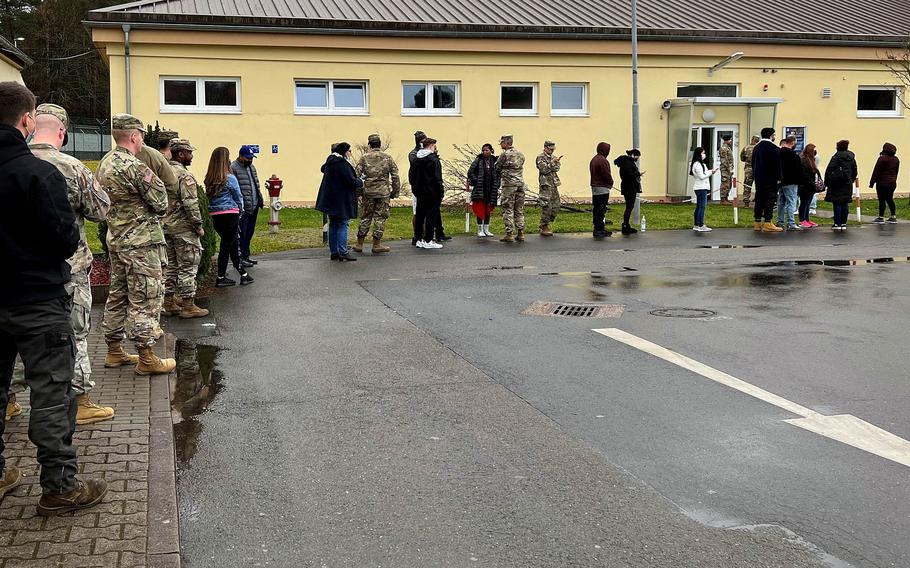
898, 62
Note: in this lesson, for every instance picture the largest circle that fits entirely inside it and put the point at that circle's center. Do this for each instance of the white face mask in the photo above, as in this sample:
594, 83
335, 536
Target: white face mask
704, 157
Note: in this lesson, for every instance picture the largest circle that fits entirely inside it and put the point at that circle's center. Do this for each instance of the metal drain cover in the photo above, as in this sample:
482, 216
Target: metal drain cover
683, 313
571, 309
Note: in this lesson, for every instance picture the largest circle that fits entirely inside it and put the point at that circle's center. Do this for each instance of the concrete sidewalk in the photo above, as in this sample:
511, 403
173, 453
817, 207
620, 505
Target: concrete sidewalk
136, 525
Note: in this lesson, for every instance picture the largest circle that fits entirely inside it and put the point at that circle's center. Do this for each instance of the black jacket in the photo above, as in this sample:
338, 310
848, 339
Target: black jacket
478, 178
426, 176
338, 190
810, 174
840, 176
38, 229
766, 167
791, 168
629, 174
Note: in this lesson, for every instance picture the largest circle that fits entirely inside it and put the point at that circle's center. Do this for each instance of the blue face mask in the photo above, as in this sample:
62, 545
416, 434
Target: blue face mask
31, 135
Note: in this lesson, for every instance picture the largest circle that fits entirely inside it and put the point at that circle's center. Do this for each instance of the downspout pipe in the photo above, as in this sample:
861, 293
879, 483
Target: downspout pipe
126, 59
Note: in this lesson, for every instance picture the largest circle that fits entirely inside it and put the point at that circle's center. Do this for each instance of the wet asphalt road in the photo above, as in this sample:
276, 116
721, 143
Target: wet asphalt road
401, 411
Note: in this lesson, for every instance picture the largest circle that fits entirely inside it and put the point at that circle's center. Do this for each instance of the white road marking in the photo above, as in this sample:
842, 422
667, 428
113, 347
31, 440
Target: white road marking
844, 428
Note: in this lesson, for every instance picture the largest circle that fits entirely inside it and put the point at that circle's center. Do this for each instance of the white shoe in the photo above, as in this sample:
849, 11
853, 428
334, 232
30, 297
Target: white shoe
432, 245
421, 244
706, 229
487, 232
696, 228
480, 232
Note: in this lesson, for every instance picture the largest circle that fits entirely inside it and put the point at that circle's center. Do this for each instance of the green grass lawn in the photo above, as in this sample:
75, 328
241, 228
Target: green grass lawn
870, 207
302, 228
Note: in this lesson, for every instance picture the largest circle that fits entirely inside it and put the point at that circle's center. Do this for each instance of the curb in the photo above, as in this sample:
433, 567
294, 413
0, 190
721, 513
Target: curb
163, 538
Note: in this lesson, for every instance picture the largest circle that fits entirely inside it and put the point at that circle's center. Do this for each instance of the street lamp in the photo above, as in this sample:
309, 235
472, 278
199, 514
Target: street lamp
16, 41
733, 58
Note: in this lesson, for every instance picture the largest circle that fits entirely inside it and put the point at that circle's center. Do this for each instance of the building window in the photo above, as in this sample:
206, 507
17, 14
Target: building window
330, 97
692, 90
518, 99
878, 102
569, 99
200, 94
430, 98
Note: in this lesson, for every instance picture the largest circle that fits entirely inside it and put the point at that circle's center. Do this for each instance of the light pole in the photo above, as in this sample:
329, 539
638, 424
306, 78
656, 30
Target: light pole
16, 41
636, 134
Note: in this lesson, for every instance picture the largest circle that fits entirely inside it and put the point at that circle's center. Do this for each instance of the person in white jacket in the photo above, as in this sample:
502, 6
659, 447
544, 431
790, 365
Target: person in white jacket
699, 170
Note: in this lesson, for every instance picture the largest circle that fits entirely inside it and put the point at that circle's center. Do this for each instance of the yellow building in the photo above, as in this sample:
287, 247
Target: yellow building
12, 61
294, 77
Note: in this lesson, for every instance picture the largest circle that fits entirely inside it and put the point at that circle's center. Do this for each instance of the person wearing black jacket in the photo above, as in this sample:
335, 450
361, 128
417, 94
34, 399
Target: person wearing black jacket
792, 177
483, 179
766, 172
337, 198
38, 233
841, 176
884, 176
426, 175
630, 185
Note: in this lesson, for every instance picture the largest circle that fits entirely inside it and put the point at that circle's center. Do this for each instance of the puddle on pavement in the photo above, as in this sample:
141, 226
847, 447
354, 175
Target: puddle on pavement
836, 262
730, 246
197, 384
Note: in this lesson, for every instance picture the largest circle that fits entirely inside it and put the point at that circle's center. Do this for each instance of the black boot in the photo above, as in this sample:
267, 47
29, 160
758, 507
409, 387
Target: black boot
628, 230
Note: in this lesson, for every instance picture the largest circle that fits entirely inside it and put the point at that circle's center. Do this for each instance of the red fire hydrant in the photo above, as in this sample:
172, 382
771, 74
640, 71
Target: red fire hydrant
274, 186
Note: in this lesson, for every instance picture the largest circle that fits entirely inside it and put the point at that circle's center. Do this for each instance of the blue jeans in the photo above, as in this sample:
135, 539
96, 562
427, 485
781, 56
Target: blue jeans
841, 212
786, 206
701, 203
338, 235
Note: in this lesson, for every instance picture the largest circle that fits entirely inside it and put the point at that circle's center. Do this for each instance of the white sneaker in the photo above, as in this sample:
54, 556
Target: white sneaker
487, 232
432, 245
480, 232
706, 229
696, 228
421, 244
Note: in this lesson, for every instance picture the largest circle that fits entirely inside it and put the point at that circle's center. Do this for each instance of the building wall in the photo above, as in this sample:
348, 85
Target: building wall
268, 65
9, 72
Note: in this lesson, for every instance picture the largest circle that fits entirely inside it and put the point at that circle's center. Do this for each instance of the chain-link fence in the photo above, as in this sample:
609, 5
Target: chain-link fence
89, 139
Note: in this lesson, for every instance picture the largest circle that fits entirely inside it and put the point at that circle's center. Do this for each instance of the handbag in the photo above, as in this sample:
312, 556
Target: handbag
819, 183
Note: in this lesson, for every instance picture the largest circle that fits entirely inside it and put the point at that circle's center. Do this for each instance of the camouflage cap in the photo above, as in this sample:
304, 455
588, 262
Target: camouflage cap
549, 144
178, 144
167, 135
126, 122
373, 139
54, 110
505, 138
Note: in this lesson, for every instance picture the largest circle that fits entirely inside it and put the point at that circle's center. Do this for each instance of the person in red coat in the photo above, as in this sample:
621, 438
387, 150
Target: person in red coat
884, 179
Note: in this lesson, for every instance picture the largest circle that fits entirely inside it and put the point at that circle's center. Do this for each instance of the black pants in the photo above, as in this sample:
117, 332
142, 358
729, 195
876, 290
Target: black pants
437, 220
426, 218
600, 210
247, 228
226, 226
886, 197
805, 203
630, 205
765, 199
483, 221
42, 334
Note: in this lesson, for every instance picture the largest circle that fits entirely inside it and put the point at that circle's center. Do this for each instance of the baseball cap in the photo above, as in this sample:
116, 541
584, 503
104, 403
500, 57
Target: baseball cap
247, 152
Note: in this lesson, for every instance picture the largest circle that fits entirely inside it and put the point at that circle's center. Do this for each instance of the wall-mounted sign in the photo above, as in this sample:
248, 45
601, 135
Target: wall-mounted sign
274, 148
800, 133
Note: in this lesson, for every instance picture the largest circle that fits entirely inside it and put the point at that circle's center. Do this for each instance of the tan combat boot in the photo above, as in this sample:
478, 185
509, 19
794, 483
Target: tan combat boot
520, 237
87, 412
545, 230
758, 226
189, 309
770, 227
507, 238
117, 357
359, 246
12, 407
150, 364
171, 306
378, 248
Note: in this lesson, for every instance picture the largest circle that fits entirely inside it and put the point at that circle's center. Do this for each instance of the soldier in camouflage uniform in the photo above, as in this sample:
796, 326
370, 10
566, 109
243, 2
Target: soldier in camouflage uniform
510, 166
182, 228
90, 202
135, 242
548, 168
746, 157
726, 168
376, 168
164, 143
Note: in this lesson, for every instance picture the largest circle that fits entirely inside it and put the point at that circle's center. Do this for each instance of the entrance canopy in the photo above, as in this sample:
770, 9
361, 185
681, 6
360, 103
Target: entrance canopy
750, 113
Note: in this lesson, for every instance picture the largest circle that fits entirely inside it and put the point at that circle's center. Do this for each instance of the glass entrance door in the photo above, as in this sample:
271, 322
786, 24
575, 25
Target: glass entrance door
711, 137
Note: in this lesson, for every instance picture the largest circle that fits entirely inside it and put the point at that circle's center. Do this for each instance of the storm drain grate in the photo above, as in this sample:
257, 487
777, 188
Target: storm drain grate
574, 310
683, 313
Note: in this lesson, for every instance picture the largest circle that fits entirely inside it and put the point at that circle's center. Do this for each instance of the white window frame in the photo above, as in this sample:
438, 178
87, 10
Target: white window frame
895, 113
200, 107
429, 110
520, 112
737, 86
330, 98
583, 111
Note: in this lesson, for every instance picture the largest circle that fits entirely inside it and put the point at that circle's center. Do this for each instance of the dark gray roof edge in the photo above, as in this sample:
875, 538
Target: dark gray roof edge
12, 52
202, 22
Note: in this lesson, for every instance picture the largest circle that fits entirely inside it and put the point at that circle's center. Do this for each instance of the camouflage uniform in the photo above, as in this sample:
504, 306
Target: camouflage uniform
90, 202
181, 225
726, 170
135, 242
510, 166
548, 166
376, 168
746, 157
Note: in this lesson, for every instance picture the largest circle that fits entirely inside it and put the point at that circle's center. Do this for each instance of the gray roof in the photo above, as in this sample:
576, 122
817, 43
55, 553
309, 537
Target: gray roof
8, 49
804, 21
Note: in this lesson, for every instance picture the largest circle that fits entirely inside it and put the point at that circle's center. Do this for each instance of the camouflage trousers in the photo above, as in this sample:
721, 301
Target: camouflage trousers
747, 187
136, 295
549, 204
81, 293
726, 182
513, 207
374, 212
182, 265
